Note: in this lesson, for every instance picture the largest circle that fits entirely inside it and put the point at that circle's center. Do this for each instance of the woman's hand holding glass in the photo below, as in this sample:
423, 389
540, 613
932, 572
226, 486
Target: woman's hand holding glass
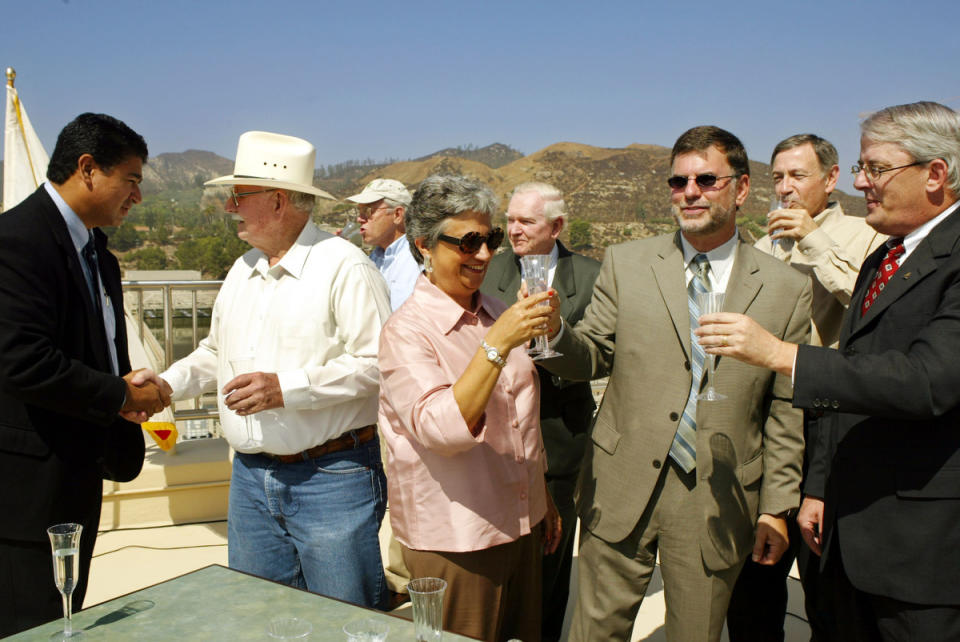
524, 320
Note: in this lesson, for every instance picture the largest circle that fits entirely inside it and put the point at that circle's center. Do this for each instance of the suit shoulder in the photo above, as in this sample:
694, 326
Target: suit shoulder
774, 269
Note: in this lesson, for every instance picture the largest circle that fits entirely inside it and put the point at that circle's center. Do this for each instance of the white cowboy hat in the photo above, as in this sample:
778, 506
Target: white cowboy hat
274, 160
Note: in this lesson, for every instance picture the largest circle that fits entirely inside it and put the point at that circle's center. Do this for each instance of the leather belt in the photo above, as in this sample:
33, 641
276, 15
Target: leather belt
346, 441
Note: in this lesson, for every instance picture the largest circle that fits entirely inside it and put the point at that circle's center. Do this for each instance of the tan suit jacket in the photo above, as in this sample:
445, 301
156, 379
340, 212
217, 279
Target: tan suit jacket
749, 446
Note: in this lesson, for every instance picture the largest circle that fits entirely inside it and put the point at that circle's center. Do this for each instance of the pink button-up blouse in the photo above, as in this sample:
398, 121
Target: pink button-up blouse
451, 490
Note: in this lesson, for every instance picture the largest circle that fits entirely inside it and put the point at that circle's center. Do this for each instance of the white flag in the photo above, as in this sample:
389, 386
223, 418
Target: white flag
24, 159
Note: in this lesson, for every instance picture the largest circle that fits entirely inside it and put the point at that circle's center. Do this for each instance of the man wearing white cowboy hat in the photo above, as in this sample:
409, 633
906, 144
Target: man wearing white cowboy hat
381, 207
293, 350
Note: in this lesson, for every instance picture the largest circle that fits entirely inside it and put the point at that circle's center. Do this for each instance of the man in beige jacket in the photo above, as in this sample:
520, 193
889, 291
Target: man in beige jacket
813, 235
665, 473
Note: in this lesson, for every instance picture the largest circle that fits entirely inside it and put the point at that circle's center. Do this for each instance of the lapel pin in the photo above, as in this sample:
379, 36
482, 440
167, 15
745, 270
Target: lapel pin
907, 275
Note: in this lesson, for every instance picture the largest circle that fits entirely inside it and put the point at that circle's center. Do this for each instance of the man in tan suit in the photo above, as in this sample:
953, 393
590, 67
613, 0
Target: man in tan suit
665, 472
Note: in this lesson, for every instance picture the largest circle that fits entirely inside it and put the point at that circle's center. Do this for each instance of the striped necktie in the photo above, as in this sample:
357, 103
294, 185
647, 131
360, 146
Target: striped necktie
89, 253
683, 450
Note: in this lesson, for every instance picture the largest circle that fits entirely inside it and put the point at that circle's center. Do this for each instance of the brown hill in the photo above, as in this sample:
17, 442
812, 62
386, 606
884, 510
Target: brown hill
185, 170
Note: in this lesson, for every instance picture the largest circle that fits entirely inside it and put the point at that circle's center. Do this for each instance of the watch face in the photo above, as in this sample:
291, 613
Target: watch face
492, 354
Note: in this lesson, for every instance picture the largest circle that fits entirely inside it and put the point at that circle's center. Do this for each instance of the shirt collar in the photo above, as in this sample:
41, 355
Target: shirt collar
720, 258
79, 233
912, 240
827, 212
399, 245
443, 311
295, 258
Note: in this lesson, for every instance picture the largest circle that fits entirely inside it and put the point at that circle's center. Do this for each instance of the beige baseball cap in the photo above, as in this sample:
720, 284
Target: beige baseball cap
382, 188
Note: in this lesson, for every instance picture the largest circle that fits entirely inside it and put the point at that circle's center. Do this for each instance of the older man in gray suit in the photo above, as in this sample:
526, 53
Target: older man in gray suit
665, 472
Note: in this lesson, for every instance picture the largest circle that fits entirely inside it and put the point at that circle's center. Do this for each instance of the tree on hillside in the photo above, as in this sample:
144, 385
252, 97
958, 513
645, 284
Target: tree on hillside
581, 233
149, 258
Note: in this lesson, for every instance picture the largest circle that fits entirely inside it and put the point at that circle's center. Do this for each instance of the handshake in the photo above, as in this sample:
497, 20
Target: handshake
147, 394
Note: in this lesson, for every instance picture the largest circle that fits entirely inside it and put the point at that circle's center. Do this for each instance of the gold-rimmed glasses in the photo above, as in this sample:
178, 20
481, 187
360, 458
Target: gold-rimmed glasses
873, 172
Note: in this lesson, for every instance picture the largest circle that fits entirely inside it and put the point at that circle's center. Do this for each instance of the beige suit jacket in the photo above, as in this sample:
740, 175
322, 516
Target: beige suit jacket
637, 331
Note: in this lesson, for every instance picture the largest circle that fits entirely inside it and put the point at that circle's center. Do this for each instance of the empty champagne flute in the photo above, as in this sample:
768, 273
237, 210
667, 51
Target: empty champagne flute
351, 232
243, 364
535, 271
65, 546
710, 303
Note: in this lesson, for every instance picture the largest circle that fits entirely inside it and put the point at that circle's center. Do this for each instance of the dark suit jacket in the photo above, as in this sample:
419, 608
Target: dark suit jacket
59, 429
887, 461
749, 446
566, 407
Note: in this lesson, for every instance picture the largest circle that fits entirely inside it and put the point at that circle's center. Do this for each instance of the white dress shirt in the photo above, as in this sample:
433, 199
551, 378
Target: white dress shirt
314, 319
720, 259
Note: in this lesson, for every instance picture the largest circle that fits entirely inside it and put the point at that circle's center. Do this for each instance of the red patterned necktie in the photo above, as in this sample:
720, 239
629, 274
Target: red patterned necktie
884, 274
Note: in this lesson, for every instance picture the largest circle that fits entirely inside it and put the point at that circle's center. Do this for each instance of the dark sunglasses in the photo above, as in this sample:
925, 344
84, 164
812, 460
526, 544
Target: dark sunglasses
470, 242
702, 180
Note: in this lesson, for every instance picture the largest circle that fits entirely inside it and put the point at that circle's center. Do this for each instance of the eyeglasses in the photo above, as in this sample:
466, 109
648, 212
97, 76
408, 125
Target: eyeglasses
366, 213
702, 180
470, 242
873, 173
238, 195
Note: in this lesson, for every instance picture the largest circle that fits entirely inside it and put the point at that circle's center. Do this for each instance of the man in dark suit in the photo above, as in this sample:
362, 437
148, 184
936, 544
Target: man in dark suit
535, 217
62, 350
704, 484
882, 497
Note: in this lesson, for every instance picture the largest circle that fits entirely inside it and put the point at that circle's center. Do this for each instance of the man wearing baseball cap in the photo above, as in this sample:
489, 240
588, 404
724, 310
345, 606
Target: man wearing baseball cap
381, 207
293, 351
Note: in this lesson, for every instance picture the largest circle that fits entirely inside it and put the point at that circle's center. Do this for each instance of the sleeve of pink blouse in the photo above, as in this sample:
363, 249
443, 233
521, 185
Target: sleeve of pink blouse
419, 392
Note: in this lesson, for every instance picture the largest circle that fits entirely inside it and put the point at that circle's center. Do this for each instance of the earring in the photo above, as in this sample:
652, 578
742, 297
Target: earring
427, 264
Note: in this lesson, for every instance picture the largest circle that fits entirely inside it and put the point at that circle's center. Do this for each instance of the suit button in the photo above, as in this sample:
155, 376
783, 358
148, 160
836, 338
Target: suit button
835, 404
686, 364
674, 416
816, 403
656, 463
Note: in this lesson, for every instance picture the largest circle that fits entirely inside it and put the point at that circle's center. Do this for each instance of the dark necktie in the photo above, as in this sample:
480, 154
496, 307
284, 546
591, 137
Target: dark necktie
89, 253
887, 269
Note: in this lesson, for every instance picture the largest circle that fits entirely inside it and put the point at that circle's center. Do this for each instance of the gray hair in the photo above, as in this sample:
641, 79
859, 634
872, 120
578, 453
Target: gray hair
554, 206
441, 197
826, 153
925, 130
302, 201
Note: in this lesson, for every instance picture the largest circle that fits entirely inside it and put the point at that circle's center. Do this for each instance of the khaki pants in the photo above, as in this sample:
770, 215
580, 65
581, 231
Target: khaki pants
613, 577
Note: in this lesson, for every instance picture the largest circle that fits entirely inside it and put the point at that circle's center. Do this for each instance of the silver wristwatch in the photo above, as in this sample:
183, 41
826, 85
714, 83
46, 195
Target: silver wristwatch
493, 355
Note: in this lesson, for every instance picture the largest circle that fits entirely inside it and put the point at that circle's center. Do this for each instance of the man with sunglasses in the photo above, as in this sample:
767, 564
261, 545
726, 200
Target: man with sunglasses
536, 216
381, 207
704, 484
814, 236
882, 495
292, 350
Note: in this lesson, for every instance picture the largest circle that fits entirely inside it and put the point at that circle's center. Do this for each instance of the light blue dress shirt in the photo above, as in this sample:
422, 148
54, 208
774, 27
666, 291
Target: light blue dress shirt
79, 234
398, 268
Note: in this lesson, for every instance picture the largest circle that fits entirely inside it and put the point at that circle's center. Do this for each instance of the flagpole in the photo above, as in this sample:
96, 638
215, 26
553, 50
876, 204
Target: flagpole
11, 74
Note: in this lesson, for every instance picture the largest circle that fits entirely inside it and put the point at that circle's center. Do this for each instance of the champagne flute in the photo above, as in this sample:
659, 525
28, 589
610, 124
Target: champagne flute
710, 303
242, 364
777, 203
535, 270
65, 546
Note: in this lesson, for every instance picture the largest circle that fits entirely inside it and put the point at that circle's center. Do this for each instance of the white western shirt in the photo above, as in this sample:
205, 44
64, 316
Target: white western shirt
314, 319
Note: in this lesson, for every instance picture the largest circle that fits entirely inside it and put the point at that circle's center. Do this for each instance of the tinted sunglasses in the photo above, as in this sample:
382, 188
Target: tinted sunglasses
702, 180
470, 242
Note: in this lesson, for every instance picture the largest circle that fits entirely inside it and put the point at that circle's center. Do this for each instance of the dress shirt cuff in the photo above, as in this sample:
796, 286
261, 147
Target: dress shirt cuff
556, 338
177, 379
295, 388
815, 243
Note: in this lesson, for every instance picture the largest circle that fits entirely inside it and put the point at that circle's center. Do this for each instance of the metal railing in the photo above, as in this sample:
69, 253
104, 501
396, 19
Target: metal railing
150, 302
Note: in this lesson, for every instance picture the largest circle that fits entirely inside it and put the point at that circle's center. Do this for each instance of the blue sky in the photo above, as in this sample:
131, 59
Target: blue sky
402, 79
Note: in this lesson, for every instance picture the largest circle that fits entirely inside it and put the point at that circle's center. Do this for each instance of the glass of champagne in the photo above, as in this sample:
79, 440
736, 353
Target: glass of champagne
535, 271
65, 545
243, 364
710, 303
777, 203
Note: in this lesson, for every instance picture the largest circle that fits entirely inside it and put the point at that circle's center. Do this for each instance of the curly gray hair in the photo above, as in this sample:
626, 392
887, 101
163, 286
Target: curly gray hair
441, 197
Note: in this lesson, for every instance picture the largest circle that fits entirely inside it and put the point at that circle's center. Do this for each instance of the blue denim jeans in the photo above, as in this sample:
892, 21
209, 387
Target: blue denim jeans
312, 524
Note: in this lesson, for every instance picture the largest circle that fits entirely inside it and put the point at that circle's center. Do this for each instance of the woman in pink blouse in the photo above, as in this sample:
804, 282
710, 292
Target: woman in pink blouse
459, 409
